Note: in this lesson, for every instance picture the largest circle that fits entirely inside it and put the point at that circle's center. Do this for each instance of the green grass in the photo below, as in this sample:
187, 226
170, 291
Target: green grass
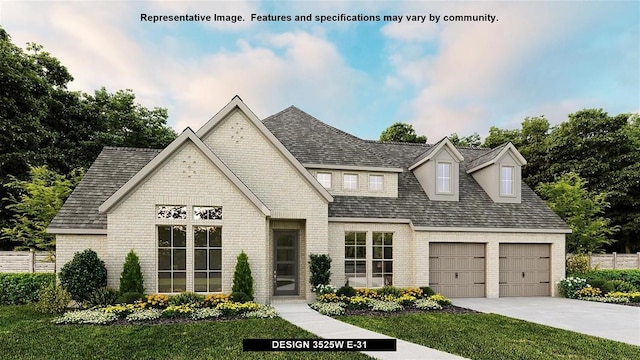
490, 336
27, 334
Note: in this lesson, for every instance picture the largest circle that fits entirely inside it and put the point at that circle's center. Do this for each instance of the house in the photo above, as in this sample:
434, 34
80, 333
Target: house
460, 220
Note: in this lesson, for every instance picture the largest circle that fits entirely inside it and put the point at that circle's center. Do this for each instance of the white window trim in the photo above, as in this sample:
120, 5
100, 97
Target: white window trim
439, 192
344, 178
381, 182
513, 181
330, 178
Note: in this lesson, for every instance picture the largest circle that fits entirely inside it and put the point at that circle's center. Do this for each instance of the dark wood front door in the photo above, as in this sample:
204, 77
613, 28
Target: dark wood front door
285, 262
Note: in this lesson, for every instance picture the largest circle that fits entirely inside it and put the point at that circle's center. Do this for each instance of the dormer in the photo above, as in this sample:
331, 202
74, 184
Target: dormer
437, 171
499, 172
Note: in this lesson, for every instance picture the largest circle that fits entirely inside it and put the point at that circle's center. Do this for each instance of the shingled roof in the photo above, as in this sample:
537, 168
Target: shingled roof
314, 142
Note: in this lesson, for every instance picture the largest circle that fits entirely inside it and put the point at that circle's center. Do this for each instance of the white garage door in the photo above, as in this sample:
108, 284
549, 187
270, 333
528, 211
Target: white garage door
525, 269
457, 269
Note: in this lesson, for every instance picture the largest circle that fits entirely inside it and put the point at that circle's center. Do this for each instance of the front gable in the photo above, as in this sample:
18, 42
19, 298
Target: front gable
498, 170
426, 165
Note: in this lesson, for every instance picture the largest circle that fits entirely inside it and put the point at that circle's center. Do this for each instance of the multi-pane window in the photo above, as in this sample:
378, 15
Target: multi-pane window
355, 258
350, 181
207, 213
324, 179
506, 180
171, 212
382, 263
172, 258
207, 259
375, 182
443, 177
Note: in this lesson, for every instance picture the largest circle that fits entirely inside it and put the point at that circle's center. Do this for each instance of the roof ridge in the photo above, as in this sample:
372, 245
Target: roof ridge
397, 143
334, 129
130, 148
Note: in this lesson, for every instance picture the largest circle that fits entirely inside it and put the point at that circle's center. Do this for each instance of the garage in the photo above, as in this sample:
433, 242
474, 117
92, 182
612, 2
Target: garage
457, 269
525, 270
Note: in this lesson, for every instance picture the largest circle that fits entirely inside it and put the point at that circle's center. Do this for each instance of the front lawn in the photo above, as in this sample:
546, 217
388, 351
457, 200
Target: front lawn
27, 334
491, 336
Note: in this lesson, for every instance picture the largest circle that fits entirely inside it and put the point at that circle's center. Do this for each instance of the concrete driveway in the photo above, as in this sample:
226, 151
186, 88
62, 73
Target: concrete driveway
610, 321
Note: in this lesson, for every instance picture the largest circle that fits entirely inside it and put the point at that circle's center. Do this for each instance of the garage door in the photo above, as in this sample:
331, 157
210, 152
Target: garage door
525, 269
457, 269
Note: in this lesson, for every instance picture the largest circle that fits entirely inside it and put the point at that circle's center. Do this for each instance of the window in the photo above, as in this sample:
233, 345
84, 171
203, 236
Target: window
355, 258
324, 179
172, 259
207, 213
207, 259
506, 181
375, 182
382, 264
171, 211
350, 182
443, 177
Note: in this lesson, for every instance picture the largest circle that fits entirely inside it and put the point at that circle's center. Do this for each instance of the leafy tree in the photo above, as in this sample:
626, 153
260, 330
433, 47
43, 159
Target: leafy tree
582, 211
39, 200
242, 278
472, 140
401, 132
83, 275
498, 137
131, 279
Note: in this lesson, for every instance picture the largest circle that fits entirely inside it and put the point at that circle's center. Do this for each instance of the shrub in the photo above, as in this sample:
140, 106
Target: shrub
427, 291
426, 304
187, 297
347, 291
86, 317
385, 306
158, 301
577, 264
129, 298
103, 296
629, 275
329, 309
18, 289
83, 275
570, 285
619, 286
242, 279
145, 315
320, 269
443, 301
597, 283
389, 290
240, 296
131, 279
53, 299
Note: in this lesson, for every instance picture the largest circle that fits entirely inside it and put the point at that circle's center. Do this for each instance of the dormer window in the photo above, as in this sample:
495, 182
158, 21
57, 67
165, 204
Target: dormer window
375, 182
506, 181
324, 179
350, 182
443, 178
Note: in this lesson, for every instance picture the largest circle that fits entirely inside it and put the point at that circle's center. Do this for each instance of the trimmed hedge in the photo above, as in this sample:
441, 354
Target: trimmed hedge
631, 276
22, 288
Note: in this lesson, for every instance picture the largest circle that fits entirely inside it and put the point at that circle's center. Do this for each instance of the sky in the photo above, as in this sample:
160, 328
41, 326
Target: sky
517, 59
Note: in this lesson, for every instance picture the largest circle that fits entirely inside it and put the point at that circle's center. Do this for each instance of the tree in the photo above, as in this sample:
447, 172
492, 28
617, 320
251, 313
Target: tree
39, 200
569, 198
83, 275
131, 279
401, 132
472, 140
498, 137
242, 278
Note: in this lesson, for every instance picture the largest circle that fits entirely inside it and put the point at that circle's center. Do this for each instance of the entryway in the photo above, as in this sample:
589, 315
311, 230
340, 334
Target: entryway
285, 262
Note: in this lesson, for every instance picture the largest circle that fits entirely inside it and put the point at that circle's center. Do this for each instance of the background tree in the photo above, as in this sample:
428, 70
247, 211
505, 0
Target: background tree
472, 140
582, 211
40, 199
401, 132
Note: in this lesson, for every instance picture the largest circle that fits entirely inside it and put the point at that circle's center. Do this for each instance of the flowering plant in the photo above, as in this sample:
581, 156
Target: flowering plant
324, 289
570, 285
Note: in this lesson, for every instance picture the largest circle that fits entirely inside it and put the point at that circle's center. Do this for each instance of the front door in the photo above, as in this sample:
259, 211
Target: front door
285, 262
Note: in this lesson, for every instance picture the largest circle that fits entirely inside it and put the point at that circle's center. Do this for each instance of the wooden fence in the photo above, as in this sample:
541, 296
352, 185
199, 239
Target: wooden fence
26, 261
615, 261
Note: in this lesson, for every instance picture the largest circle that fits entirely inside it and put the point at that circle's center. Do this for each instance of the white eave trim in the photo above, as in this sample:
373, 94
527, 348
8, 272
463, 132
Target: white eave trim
236, 102
369, 220
442, 143
77, 231
353, 168
495, 230
520, 160
186, 135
